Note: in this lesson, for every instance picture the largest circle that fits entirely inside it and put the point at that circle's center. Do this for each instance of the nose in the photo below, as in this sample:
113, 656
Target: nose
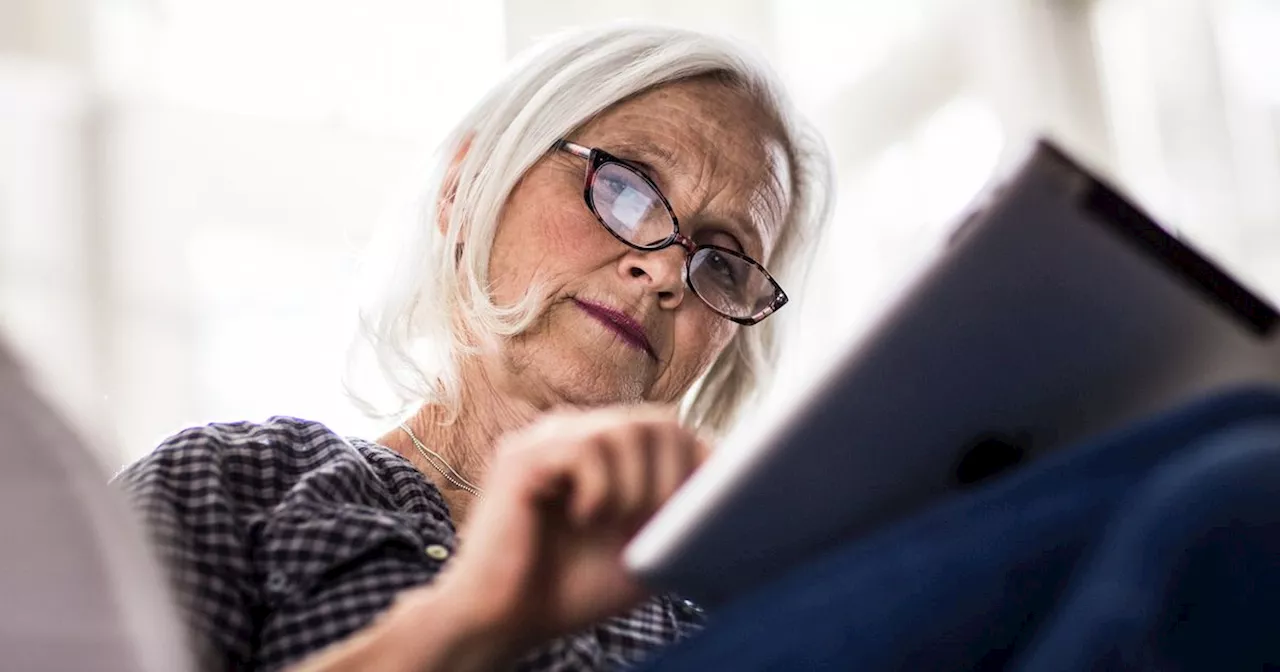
661, 271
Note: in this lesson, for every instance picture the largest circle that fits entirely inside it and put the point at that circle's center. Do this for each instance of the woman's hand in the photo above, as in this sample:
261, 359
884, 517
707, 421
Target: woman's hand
542, 554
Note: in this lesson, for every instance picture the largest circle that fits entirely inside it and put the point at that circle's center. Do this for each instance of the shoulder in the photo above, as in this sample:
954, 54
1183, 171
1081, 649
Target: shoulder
260, 465
249, 518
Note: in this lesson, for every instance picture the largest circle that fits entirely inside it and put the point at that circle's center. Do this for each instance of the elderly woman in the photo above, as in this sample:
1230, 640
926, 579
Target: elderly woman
607, 234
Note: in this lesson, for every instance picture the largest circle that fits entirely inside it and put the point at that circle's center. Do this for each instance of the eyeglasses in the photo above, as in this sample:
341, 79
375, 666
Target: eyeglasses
629, 205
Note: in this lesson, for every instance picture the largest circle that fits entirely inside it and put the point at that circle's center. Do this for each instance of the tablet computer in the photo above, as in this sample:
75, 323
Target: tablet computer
1056, 311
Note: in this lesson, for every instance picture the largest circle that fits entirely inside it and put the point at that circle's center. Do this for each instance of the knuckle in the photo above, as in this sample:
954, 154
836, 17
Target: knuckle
670, 432
636, 434
587, 452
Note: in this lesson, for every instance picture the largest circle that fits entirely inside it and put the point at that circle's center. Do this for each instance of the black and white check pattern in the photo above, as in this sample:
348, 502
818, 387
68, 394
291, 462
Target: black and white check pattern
283, 538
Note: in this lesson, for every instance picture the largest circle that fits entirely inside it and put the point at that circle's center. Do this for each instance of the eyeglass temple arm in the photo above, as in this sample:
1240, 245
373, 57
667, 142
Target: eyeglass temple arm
574, 148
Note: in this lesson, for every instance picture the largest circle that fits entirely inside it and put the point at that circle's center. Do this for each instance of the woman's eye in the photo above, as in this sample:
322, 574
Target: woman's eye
723, 239
611, 185
723, 267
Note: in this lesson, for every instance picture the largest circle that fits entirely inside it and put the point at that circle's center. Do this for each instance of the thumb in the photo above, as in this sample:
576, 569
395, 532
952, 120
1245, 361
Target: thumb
505, 534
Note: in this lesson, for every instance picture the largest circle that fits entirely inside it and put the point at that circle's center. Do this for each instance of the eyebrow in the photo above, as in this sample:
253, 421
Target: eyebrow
752, 247
654, 159
657, 160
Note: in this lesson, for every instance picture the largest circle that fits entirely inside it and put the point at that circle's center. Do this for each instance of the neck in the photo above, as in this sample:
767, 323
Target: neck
466, 444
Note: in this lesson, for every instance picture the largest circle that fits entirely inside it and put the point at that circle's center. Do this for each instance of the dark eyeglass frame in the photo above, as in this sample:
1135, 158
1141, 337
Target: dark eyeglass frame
596, 158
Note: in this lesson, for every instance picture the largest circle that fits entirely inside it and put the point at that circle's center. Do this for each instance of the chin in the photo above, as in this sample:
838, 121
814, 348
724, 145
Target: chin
579, 365
595, 383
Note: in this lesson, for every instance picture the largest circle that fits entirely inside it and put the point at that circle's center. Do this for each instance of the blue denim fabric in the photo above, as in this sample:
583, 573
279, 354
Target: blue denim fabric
1156, 547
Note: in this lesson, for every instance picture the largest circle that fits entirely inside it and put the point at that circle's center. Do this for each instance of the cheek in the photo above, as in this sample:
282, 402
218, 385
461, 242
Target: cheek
543, 237
705, 337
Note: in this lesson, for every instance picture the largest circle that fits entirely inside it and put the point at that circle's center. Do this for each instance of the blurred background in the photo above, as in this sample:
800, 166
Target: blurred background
185, 185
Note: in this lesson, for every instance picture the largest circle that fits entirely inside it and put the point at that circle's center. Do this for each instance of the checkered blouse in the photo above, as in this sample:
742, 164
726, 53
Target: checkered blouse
283, 538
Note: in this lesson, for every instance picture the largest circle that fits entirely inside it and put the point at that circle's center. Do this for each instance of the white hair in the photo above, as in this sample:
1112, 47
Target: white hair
430, 280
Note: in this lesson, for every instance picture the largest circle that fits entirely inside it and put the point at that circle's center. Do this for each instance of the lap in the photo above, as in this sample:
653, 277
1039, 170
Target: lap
988, 579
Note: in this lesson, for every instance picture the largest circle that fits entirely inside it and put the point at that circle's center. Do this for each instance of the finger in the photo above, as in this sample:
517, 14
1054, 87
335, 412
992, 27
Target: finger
652, 412
633, 454
546, 480
571, 426
507, 519
560, 426
568, 426
679, 462
589, 469
671, 464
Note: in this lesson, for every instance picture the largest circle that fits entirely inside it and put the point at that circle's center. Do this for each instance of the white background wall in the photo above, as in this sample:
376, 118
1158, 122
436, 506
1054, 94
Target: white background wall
184, 184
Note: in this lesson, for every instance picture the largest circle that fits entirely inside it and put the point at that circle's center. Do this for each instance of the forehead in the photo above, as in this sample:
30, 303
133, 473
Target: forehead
710, 144
698, 115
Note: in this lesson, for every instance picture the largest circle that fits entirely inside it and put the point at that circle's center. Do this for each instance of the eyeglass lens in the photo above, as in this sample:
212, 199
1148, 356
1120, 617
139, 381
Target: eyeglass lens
635, 212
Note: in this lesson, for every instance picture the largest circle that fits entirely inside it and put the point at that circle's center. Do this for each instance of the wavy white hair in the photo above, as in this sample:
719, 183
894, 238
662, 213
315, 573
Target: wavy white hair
429, 281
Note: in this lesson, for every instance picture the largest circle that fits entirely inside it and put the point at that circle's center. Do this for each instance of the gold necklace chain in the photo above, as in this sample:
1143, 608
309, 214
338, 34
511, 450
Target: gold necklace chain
450, 474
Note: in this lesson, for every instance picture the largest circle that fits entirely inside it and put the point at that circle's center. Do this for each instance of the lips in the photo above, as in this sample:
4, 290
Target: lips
625, 326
